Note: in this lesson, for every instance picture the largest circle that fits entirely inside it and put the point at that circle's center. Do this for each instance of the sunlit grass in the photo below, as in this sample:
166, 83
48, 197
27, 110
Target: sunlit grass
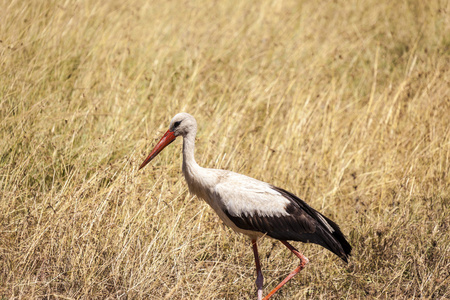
344, 103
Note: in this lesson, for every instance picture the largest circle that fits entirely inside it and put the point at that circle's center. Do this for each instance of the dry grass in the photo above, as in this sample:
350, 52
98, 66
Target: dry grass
345, 103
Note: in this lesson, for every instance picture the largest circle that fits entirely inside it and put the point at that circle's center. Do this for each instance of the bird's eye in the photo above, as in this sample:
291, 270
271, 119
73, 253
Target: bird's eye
175, 125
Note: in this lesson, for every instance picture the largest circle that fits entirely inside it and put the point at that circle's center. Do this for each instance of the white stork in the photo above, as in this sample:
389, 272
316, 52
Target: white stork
253, 207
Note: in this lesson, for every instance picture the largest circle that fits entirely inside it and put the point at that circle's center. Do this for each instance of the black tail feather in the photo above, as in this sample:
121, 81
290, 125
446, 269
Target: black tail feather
332, 240
339, 236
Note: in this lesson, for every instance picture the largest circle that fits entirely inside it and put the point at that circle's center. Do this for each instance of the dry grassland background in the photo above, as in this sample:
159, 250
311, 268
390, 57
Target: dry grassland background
344, 103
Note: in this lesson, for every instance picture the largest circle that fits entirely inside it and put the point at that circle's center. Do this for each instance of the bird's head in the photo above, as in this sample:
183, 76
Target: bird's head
182, 124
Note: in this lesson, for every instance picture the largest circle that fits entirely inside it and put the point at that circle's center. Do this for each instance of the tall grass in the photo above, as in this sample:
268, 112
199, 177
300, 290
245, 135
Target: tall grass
345, 103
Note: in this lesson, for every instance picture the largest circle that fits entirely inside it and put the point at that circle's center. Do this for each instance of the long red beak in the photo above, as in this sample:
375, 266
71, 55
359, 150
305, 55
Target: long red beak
168, 138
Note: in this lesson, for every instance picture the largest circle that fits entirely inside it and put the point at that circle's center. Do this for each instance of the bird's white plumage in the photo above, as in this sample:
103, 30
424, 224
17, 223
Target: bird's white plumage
225, 191
241, 195
229, 193
234, 193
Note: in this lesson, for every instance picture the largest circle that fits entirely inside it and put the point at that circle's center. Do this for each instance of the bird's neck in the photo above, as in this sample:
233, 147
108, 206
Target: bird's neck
190, 166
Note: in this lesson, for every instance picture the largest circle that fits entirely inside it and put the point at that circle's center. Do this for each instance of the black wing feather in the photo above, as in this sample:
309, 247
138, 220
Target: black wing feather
303, 223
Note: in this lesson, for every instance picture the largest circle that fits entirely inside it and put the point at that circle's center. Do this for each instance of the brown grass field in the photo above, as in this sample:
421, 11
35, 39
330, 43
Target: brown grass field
344, 103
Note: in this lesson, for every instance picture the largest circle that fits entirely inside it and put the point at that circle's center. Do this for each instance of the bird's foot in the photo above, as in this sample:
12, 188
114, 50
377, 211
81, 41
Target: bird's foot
259, 284
303, 262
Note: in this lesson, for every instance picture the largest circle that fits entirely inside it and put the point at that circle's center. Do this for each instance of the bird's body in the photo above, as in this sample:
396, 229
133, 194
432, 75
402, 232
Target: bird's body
234, 195
252, 207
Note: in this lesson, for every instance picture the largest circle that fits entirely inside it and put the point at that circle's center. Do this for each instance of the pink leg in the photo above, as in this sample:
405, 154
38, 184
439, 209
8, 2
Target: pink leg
259, 276
303, 262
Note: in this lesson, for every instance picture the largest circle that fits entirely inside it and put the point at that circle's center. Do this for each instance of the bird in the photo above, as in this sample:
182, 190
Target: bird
253, 207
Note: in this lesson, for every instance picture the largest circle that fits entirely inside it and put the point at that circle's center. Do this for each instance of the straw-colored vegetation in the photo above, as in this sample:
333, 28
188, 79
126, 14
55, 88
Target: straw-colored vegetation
345, 103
